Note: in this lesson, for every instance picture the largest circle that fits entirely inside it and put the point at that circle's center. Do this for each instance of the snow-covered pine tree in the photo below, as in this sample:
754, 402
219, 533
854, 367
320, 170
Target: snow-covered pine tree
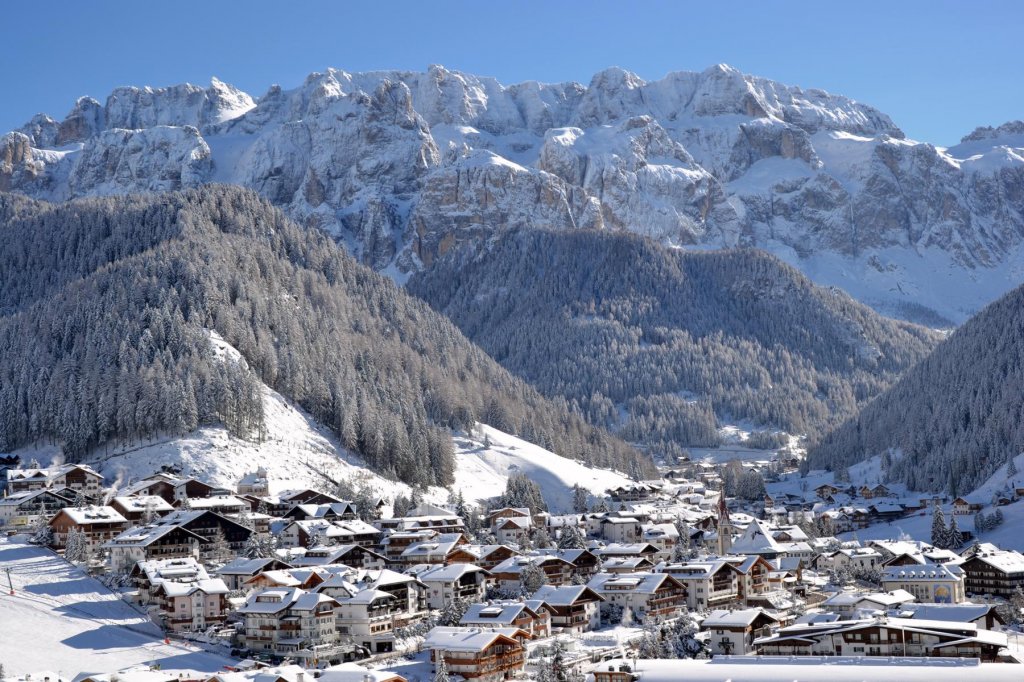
580, 499
316, 536
453, 612
76, 548
258, 546
571, 538
218, 551
441, 670
531, 579
955, 539
940, 534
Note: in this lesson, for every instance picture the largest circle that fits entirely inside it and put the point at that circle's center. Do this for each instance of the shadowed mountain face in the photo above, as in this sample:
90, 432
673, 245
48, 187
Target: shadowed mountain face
950, 422
402, 166
665, 345
107, 307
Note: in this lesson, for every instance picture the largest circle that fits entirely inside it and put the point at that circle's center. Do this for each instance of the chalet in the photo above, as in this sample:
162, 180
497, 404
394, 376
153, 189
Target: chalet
664, 536
933, 583
513, 530
435, 551
709, 584
78, 477
144, 543
488, 556
225, 505
446, 584
617, 550
354, 556
146, 575
647, 595
633, 564
853, 559
621, 529
506, 575
410, 594
440, 523
584, 562
235, 573
24, 509
334, 511
289, 622
771, 542
509, 614
734, 632
97, 524
367, 618
209, 525
392, 543
998, 573
284, 501
848, 605
753, 579
962, 507
480, 655
191, 606
634, 492
304, 578
508, 513
171, 488
883, 636
825, 490
300, 533
141, 508
255, 483
574, 608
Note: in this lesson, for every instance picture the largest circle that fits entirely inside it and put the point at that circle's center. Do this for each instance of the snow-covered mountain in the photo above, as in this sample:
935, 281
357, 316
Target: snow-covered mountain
400, 166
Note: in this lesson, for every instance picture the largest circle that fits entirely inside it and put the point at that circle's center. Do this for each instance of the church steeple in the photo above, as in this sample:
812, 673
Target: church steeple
724, 527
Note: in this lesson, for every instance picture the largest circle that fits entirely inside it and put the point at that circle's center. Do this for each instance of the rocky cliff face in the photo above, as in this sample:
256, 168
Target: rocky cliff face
401, 166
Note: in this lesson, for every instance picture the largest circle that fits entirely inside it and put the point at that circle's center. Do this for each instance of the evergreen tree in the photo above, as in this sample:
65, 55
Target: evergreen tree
571, 538
453, 612
531, 579
76, 549
940, 534
956, 538
217, 550
580, 499
441, 670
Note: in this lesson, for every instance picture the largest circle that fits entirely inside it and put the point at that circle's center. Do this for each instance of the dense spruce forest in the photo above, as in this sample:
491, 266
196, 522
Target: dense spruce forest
663, 345
106, 307
950, 422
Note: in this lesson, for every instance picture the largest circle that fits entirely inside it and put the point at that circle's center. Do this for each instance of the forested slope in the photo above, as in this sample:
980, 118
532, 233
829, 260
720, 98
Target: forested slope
106, 305
664, 344
952, 420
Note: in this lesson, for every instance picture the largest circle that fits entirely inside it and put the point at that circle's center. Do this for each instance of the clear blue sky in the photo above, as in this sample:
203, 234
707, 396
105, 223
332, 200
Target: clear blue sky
938, 68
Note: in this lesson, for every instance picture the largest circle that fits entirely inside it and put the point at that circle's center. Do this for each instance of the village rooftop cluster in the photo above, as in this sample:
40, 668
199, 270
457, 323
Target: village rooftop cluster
342, 585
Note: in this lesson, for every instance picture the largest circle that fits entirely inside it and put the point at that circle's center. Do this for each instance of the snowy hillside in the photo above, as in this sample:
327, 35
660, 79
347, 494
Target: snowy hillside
60, 619
299, 452
425, 160
485, 460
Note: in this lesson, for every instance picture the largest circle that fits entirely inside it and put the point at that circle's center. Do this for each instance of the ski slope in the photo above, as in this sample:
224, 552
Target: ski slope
481, 469
63, 621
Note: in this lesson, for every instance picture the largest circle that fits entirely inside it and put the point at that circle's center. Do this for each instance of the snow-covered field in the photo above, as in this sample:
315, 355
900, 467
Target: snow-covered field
61, 620
481, 469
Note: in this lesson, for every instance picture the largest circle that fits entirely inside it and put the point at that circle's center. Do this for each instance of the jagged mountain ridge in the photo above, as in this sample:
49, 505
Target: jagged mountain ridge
105, 339
663, 345
400, 166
